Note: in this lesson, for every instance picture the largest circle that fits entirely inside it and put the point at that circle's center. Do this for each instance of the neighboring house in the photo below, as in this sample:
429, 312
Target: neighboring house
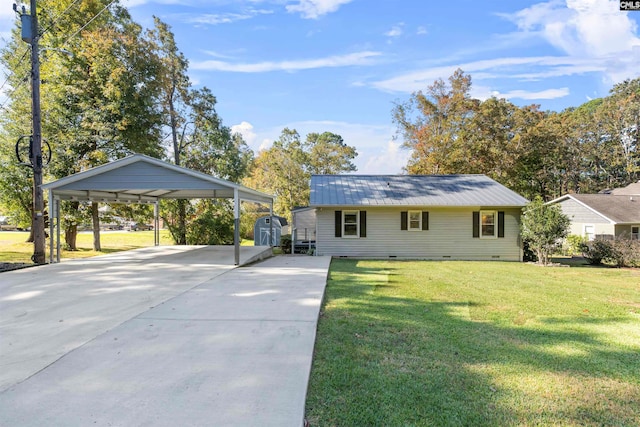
470, 217
602, 215
632, 189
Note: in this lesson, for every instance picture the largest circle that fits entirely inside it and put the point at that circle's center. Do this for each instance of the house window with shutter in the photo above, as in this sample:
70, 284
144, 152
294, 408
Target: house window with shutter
350, 224
415, 221
488, 224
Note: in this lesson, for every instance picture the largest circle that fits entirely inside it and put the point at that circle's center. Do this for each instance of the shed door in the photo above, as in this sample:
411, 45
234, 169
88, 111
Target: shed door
265, 234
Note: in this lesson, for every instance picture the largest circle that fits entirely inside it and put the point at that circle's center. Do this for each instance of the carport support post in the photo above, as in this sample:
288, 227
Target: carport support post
271, 236
236, 225
52, 217
156, 224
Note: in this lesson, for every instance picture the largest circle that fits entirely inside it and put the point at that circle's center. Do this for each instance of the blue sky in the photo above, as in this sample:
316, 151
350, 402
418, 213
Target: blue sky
340, 65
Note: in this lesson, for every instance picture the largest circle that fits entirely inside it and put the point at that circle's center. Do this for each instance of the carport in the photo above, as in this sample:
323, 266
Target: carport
142, 179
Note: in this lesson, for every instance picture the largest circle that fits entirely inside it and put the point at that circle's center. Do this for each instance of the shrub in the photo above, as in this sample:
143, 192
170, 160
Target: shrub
574, 244
285, 243
543, 227
622, 252
629, 252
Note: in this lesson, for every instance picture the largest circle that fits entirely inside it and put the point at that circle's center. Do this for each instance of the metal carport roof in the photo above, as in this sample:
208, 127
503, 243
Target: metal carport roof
142, 179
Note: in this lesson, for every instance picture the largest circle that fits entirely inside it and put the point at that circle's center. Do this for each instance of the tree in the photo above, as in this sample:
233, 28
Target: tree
431, 124
619, 113
106, 105
282, 171
328, 154
174, 84
542, 227
98, 90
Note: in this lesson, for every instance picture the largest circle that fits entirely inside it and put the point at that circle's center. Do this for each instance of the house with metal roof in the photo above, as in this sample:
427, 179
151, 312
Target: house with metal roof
470, 217
606, 216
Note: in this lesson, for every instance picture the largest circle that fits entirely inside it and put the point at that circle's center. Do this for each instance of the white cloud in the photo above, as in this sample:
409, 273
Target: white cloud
265, 144
529, 95
222, 18
356, 58
483, 69
590, 28
391, 159
246, 130
396, 30
592, 36
313, 9
421, 30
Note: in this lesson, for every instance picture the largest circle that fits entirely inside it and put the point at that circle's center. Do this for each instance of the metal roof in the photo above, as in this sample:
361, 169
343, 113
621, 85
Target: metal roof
142, 179
411, 190
615, 208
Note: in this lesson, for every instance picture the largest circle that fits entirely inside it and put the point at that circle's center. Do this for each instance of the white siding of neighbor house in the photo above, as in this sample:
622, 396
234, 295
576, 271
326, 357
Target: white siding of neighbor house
450, 236
582, 216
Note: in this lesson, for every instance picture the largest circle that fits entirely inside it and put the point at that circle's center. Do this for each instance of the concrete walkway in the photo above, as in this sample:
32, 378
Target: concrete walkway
231, 347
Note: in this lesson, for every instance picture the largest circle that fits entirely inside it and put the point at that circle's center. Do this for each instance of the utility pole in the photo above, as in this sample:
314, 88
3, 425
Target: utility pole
35, 152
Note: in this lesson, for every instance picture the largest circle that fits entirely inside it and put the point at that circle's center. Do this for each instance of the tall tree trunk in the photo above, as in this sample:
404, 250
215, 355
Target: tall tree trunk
182, 222
71, 231
96, 227
70, 235
181, 238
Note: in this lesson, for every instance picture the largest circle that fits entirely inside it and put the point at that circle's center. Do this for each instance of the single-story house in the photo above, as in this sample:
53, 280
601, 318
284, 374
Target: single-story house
462, 217
602, 215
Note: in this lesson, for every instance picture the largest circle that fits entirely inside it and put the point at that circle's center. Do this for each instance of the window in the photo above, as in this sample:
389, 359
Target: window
488, 224
590, 232
350, 224
635, 232
267, 221
415, 220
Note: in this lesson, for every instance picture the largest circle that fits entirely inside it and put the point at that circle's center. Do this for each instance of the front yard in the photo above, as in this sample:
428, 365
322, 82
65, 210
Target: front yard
475, 343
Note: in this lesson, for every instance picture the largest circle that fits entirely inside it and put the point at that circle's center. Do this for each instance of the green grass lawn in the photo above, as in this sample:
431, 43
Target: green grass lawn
13, 246
476, 344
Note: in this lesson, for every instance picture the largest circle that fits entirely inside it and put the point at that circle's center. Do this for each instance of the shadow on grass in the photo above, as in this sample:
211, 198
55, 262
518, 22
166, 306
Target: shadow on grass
397, 361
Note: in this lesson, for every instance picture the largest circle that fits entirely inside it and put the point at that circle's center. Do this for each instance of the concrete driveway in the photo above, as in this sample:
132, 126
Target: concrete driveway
161, 336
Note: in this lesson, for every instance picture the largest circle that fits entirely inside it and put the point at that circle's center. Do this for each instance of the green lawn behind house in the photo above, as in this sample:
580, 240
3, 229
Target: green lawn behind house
476, 344
13, 246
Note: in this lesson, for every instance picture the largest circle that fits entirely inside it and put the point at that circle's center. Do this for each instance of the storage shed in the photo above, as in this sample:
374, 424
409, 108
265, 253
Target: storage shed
267, 226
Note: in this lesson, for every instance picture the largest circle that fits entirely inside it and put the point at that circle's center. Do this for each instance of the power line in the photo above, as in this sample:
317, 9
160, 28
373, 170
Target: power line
90, 21
57, 18
13, 90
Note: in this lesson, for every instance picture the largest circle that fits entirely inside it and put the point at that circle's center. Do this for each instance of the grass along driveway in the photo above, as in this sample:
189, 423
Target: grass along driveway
473, 344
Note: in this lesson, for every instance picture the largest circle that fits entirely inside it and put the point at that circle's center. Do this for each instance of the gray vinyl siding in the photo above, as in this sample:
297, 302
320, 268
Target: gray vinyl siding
305, 223
450, 236
581, 216
579, 213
